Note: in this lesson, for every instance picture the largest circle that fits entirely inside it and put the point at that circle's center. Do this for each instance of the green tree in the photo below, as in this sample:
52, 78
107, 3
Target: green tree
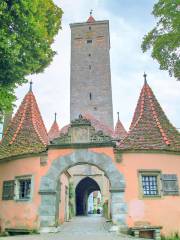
164, 38
27, 30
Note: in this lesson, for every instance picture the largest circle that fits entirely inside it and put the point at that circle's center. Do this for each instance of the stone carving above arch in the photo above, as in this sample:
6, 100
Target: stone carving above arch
48, 184
81, 131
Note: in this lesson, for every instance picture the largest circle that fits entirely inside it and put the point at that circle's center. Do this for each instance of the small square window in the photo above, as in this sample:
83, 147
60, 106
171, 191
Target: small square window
150, 186
89, 54
150, 183
89, 41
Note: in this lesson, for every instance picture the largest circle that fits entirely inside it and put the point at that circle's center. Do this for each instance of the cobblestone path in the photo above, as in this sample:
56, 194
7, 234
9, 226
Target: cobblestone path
80, 228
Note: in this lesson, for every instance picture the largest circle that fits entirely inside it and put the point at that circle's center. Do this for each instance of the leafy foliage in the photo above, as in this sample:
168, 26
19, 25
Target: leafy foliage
27, 30
71, 200
164, 38
174, 236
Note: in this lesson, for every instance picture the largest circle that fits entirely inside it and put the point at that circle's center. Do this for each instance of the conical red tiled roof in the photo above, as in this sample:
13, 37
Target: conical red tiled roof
26, 132
91, 19
150, 128
54, 130
119, 132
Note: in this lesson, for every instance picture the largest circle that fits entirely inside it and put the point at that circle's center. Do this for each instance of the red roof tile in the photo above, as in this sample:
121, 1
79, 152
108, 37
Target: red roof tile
150, 128
64, 129
120, 131
26, 132
54, 131
91, 19
99, 125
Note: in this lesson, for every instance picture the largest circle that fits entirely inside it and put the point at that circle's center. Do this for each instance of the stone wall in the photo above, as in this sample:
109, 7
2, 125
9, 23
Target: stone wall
90, 71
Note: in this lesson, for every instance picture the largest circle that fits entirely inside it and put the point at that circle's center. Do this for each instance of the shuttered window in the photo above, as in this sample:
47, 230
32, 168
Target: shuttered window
170, 184
8, 190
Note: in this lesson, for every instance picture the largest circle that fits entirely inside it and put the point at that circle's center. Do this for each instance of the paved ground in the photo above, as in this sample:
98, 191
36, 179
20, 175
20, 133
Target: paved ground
80, 228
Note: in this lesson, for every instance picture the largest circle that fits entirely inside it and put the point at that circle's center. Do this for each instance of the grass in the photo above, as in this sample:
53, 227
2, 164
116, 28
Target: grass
174, 236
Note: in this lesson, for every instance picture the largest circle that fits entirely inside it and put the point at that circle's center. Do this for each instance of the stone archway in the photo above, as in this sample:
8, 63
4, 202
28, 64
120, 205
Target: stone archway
48, 185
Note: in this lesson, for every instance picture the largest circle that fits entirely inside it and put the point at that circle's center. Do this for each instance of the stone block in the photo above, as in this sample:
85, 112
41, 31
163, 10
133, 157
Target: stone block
47, 221
47, 210
48, 184
48, 199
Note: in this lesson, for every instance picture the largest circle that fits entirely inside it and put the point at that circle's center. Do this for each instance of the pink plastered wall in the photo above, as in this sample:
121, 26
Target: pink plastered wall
163, 211
24, 214
20, 214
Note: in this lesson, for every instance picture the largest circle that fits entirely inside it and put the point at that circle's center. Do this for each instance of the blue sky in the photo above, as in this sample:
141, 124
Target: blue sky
129, 21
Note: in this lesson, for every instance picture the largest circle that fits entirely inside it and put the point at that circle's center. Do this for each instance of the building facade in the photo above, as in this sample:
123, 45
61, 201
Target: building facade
45, 176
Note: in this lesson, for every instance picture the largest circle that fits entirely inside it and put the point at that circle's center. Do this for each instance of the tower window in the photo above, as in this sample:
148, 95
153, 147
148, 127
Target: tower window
89, 41
90, 28
90, 96
89, 67
89, 55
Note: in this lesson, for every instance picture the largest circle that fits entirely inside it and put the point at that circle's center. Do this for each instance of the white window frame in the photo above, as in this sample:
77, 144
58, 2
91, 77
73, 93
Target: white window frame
17, 188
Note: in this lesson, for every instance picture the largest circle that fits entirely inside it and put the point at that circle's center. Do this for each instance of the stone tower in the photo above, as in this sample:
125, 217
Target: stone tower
90, 71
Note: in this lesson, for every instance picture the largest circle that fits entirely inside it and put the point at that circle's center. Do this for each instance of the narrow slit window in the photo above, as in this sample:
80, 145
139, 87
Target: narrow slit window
90, 96
89, 67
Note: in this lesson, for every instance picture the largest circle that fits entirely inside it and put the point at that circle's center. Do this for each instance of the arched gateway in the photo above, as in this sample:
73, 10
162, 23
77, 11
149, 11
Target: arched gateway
82, 137
48, 185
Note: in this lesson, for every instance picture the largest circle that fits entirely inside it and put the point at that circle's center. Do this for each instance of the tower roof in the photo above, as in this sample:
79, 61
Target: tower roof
54, 130
26, 132
150, 128
120, 131
91, 18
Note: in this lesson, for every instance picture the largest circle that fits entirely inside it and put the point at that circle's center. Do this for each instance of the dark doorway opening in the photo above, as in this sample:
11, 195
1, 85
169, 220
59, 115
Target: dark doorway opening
85, 187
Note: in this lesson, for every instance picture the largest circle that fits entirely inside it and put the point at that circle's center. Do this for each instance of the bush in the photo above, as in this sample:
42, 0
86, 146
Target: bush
174, 236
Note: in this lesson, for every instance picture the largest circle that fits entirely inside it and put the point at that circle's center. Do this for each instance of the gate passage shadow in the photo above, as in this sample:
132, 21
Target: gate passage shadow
84, 188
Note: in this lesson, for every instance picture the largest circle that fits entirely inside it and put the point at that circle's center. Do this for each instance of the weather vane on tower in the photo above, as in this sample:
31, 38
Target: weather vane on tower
91, 12
30, 85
